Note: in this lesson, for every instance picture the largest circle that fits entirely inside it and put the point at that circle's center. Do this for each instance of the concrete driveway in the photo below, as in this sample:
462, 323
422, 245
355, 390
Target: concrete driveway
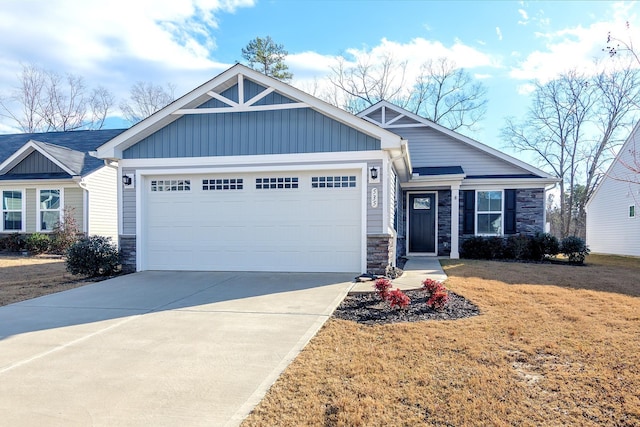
158, 348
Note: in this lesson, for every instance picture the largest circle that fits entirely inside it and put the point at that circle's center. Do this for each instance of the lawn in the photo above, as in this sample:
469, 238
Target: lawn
553, 345
23, 278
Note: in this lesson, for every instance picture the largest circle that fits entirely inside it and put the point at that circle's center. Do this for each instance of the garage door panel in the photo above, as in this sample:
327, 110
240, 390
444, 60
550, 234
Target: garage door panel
275, 229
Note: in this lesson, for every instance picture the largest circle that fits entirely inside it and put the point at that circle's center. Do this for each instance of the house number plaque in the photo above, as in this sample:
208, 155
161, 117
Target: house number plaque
374, 197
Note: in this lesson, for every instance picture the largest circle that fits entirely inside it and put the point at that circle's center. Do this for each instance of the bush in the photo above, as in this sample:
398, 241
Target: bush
14, 242
397, 298
517, 247
575, 249
382, 287
93, 256
37, 243
65, 233
541, 245
475, 247
438, 295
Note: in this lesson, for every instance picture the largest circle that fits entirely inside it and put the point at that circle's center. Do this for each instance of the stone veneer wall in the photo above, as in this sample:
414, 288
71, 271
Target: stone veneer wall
444, 222
530, 210
380, 251
128, 253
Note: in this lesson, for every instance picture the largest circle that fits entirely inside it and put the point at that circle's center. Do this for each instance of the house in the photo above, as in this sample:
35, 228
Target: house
248, 173
613, 223
41, 174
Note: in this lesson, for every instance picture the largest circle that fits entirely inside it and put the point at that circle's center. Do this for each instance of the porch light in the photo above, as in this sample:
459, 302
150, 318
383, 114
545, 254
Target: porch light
126, 179
374, 173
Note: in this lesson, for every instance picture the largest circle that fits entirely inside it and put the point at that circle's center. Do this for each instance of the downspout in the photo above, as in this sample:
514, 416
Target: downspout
544, 207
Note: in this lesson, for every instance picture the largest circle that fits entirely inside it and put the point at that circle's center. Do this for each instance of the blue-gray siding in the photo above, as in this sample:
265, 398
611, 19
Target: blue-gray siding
36, 163
251, 89
301, 130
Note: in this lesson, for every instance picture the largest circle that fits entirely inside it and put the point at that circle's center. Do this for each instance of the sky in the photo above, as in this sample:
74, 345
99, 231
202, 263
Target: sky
504, 44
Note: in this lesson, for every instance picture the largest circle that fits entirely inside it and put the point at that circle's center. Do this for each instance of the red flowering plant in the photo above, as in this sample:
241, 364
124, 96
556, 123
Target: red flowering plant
397, 298
438, 295
382, 287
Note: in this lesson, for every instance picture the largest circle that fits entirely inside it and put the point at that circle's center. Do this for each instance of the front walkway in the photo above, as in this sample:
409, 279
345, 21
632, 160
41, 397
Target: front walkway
415, 271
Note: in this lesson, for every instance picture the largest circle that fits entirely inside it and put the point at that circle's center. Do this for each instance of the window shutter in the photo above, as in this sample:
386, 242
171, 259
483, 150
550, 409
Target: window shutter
469, 212
510, 212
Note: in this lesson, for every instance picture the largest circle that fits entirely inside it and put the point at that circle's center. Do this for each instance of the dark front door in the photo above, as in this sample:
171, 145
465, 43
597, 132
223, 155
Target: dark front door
422, 223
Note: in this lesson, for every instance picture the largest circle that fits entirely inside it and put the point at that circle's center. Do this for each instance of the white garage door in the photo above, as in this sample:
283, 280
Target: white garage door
286, 221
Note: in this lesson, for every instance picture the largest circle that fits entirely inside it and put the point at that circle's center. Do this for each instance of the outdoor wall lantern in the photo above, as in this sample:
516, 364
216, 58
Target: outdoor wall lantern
374, 173
126, 180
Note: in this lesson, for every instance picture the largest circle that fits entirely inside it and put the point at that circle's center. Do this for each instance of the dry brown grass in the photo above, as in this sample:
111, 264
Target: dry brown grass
23, 278
554, 345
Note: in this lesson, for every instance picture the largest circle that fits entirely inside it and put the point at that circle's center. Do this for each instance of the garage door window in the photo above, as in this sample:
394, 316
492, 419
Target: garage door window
171, 185
222, 184
275, 183
333, 181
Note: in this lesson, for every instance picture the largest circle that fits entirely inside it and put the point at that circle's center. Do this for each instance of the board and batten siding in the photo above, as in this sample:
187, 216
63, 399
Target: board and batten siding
293, 131
31, 210
36, 162
103, 203
430, 148
610, 230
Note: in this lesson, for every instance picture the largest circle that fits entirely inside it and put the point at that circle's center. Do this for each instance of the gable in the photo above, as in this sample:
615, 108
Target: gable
35, 163
244, 112
300, 130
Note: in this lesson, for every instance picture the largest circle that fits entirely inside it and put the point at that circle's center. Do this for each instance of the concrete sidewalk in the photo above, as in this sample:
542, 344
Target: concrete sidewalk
415, 271
158, 348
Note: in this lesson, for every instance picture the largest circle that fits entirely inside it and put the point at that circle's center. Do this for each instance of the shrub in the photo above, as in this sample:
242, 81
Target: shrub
517, 247
65, 233
475, 247
575, 249
438, 295
38, 243
92, 256
439, 299
397, 298
14, 242
382, 287
541, 245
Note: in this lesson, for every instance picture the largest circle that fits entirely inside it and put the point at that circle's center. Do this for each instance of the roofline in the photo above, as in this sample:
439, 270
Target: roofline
21, 153
627, 141
165, 116
479, 145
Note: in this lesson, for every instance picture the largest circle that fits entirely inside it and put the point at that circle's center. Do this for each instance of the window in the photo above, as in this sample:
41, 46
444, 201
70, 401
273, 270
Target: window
49, 209
489, 212
11, 210
269, 183
333, 181
222, 184
632, 211
171, 185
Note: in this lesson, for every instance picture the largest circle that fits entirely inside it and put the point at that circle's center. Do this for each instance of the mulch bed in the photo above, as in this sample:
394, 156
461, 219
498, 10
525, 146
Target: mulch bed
369, 309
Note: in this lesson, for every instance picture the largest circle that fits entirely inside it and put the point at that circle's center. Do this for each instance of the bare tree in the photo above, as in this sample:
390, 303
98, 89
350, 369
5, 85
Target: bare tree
448, 95
441, 92
572, 125
368, 81
145, 99
46, 101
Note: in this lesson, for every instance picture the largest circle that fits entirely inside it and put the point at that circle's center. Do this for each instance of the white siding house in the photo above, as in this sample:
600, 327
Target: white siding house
613, 222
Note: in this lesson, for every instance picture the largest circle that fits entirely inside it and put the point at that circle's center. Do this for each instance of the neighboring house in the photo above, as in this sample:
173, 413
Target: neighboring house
41, 174
248, 173
613, 220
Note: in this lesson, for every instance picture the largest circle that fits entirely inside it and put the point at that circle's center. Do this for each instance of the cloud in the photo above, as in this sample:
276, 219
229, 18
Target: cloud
499, 33
571, 48
524, 16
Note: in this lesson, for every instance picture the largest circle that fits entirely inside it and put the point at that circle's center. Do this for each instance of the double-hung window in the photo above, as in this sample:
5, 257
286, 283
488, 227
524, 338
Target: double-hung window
489, 208
12, 210
49, 203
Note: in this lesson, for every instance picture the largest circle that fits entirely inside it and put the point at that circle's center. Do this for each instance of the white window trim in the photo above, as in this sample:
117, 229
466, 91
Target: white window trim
23, 211
635, 213
477, 212
38, 209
